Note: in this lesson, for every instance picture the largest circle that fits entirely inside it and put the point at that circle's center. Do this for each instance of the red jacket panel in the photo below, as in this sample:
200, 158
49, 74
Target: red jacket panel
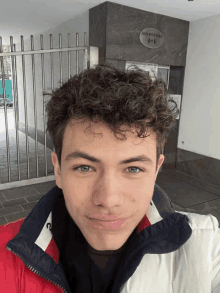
17, 277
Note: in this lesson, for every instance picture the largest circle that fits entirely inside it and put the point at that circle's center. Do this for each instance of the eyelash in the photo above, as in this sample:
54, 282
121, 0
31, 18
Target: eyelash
78, 167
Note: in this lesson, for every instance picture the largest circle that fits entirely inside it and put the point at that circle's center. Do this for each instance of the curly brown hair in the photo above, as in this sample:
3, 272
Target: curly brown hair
115, 97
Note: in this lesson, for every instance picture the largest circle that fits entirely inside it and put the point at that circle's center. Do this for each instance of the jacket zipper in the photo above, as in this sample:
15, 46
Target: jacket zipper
35, 271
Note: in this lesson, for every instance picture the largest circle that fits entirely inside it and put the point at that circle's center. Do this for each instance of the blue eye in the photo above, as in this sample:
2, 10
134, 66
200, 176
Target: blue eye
136, 168
133, 167
79, 167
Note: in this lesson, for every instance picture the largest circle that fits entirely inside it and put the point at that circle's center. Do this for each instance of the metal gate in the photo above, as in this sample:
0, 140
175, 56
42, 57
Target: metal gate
25, 147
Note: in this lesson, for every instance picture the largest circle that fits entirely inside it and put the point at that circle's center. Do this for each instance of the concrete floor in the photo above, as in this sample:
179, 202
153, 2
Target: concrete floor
186, 193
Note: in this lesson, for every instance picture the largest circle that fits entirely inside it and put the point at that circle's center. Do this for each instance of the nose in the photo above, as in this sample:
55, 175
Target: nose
108, 191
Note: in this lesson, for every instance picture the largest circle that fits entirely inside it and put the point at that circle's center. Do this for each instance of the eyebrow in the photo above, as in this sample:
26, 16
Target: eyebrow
140, 158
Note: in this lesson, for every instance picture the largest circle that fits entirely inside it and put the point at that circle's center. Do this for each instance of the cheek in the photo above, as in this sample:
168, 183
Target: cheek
145, 194
75, 191
144, 199
73, 202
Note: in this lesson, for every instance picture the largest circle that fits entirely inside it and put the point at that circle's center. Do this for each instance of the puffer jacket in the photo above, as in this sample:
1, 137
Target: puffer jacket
169, 252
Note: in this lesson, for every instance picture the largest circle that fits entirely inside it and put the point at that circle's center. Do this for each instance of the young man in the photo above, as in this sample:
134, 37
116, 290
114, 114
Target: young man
106, 226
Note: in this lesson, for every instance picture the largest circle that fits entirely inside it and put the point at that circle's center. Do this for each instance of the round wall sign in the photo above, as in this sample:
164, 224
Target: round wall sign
151, 38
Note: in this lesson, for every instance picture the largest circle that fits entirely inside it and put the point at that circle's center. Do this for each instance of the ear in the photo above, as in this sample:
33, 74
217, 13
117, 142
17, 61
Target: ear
160, 163
57, 170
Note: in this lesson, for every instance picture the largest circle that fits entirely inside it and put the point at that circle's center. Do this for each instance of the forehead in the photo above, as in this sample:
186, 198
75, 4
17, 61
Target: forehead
100, 140
90, 130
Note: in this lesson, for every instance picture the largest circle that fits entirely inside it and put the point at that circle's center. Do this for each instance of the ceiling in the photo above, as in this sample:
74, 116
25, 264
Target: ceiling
26, 17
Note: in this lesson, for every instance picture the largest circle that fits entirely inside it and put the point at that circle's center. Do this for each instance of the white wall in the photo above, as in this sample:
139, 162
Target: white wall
200, 112
79, 24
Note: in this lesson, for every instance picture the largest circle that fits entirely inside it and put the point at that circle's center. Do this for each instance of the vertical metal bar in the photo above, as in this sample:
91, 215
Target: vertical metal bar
25, 107
77, 53
69, 57
168, 78
86, 59
43, 87
14, 82
51, 61
35, 106
85, 39
16, 87
60, 57
17, 109
5, 112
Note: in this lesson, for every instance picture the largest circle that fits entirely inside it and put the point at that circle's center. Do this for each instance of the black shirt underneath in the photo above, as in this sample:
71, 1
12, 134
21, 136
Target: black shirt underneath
87, 270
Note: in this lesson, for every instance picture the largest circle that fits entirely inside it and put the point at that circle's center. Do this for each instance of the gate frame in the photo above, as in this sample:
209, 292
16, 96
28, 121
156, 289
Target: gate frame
91, 58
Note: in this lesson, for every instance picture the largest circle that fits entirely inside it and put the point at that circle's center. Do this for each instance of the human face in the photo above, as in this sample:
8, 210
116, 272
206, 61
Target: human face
99, 189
